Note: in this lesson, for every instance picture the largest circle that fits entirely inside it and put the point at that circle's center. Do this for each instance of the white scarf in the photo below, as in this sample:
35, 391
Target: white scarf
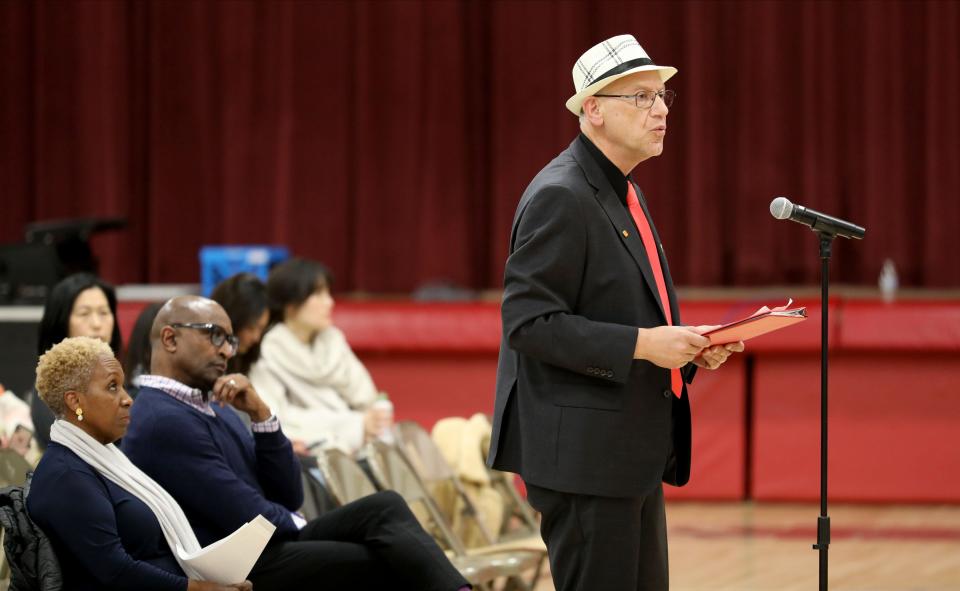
117, 467
324, 373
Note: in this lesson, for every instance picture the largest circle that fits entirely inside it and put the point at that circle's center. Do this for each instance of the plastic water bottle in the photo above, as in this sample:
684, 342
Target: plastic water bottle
383, 403
888, 282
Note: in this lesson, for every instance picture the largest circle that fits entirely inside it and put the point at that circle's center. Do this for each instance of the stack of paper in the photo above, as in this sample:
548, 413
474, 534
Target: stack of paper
230, 560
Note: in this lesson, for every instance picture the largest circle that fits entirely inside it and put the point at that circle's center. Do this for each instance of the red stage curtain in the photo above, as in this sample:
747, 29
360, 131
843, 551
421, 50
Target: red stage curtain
393, 139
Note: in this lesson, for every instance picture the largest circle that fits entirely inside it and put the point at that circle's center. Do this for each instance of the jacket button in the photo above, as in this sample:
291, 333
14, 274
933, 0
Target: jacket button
667, 393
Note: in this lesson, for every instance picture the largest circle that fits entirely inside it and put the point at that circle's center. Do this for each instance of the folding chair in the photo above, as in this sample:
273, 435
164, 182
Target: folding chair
346, 481
519, 509
13, 468
395, 471
317, 498
432, 467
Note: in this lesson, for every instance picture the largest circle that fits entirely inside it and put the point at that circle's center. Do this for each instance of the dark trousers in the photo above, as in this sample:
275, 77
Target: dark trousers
613, 544
372, 543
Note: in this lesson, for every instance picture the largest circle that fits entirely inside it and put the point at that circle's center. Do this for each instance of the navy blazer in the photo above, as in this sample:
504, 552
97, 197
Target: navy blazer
574, 411
105, 538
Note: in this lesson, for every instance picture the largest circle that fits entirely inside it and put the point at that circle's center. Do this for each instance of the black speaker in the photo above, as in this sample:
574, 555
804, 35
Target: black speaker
28, 272
71, 239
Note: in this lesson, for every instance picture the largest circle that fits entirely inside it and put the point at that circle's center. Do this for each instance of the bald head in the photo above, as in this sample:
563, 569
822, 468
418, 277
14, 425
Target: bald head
182, 348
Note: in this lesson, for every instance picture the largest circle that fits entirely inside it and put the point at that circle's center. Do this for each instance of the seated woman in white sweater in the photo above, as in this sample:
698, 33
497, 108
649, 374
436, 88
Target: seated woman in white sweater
306, 371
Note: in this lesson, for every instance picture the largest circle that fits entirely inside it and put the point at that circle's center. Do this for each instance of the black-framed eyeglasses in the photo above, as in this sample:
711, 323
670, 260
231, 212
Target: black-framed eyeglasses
218, 334
645, 98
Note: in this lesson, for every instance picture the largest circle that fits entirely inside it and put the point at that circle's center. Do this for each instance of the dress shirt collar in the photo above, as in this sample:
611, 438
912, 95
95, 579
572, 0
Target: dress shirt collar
192, 397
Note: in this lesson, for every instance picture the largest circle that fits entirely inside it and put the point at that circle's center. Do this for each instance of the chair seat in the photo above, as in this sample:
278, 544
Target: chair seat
482, 567
509, 562
475, 570
529, 544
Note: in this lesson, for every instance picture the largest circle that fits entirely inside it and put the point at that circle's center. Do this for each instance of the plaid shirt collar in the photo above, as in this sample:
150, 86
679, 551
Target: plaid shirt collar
192, 397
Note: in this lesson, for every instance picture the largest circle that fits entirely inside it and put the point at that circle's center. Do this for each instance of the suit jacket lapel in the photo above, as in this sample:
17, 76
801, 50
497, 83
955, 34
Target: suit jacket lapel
619, 216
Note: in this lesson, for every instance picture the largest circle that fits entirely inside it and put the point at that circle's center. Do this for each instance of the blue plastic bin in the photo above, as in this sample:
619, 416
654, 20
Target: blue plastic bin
220, 262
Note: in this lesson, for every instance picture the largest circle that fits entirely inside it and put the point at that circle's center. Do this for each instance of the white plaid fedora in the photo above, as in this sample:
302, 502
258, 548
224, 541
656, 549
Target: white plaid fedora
608, 61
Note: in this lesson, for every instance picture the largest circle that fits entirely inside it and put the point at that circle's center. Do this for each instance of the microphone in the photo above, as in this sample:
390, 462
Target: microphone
782, 209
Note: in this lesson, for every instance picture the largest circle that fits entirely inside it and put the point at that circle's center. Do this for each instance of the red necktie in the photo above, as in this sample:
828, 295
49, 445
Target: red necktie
643, 224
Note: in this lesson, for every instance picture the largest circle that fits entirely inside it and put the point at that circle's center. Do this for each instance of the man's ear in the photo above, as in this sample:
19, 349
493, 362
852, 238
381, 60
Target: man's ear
591, 111
168, 338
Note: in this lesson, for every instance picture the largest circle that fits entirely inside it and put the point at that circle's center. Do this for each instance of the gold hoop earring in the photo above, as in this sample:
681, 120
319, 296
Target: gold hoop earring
79, 414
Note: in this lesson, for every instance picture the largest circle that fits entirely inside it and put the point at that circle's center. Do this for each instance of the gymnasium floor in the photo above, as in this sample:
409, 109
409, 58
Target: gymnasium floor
768, 547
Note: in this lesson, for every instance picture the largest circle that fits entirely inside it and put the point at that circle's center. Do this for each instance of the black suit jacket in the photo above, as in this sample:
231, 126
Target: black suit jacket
574, 411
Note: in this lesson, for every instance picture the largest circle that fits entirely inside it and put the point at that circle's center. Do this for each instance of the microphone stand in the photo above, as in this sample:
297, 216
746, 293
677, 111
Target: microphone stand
823, 522
827, 228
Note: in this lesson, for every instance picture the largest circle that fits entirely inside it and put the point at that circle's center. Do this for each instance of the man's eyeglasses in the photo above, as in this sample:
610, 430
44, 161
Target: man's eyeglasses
645, 98
218, 334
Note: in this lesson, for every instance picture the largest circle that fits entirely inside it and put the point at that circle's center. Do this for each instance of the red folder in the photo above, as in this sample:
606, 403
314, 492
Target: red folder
760, 322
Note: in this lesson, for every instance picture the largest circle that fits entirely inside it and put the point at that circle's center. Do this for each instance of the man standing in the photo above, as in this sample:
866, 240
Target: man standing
592, 408
223, 476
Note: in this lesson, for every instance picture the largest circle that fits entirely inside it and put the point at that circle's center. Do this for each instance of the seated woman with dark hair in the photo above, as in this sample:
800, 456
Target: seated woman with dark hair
306, 371
137, 360
244, 298
81, 305
113, 528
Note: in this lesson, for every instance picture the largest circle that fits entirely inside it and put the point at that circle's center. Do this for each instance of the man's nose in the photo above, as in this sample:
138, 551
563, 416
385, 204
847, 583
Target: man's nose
660, 107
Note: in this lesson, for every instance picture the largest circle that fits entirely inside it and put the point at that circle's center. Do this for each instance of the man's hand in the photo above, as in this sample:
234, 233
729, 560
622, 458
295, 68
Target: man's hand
235, 389
669, 346
713, 357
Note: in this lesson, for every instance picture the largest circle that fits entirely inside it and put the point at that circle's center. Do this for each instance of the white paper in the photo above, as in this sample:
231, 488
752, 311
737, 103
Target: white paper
229, 560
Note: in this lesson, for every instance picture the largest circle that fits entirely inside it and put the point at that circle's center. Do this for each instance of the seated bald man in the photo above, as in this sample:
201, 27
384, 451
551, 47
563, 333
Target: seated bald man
223, 475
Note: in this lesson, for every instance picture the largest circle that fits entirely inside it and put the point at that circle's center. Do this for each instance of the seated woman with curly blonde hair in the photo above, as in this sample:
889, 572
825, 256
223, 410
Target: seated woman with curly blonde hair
112, 527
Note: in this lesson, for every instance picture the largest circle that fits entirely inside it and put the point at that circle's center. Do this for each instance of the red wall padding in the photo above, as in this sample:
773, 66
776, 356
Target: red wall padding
894, 427
428, 387
719, 439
